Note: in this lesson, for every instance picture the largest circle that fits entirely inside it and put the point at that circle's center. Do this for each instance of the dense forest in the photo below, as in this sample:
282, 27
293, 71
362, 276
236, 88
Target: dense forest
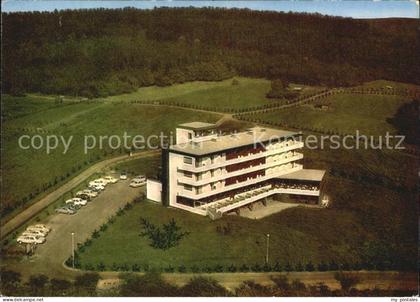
103, 52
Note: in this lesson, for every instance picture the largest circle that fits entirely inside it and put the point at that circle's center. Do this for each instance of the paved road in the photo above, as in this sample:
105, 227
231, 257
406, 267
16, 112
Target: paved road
34, 209
49, 257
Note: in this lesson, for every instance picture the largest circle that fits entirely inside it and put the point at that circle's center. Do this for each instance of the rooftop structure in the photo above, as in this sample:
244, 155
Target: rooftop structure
219, 142
197, 126
305, 174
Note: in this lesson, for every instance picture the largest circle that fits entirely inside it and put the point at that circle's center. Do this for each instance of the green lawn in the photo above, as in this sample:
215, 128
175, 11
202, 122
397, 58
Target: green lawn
346, 113
218, 96
28, 172
145, 166
298, 236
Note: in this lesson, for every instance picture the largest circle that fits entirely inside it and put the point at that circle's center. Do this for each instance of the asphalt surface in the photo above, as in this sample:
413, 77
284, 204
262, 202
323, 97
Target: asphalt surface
34, 209
49, 257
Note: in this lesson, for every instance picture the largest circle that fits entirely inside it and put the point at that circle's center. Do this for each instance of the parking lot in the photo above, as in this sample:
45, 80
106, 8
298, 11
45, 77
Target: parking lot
49, 256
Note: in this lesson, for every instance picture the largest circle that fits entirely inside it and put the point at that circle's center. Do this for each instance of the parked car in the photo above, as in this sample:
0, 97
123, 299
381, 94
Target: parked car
99, 181
65, 210
42, 227
123, 176
110, 179
137, 183
77, 201
33, 233
33, 239
74, 207
90, 193
96, 188
140, 178
83, 196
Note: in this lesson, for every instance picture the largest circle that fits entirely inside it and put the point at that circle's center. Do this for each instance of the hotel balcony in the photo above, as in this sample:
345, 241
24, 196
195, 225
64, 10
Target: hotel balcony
222, 163
193, 182
217, 208
195, 196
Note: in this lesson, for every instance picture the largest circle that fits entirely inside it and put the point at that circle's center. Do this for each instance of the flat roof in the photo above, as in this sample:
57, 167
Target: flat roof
197, 125
229, 141
305, 174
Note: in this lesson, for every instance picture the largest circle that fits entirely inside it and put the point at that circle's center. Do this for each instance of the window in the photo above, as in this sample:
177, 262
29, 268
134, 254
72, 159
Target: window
188, 174
188, 187
187, 160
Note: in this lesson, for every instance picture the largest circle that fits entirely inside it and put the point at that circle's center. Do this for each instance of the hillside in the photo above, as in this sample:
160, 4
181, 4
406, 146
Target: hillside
107, 52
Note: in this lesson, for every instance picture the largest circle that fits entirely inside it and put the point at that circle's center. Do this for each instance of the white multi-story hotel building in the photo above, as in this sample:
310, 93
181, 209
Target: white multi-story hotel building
210, 173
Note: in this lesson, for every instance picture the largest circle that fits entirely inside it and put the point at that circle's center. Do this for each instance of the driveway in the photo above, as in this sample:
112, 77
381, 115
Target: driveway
49, 257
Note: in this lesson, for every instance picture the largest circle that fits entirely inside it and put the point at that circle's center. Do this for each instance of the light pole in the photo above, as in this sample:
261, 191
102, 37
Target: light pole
72, 248
268, 244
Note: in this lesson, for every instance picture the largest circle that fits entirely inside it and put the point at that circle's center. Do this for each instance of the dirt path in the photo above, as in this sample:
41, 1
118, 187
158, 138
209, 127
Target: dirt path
368, 279
34, 209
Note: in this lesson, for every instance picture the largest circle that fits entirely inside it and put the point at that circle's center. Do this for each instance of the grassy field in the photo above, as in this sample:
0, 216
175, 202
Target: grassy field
147, 167
28, 173
219, 96
298, 236
345, 113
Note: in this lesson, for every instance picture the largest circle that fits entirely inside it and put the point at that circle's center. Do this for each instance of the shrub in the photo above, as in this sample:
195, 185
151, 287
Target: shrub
165, 238
135, 267
101, 266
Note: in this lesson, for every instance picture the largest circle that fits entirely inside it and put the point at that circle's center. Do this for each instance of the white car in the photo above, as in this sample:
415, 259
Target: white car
77, 201
90, 193
110, 179
96, 188
98, 182
34, 239
33, 233
137, 183
140, 178
36, 231
123, 176
42, 227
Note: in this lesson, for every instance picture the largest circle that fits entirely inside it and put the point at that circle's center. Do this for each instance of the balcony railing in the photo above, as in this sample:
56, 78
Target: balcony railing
223, 163
207, 180
225, 205
192, 195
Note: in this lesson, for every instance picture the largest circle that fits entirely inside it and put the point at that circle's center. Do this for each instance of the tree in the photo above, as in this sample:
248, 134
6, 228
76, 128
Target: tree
60, 287
407, 121
235, 82
281, 282
87, 282
37, 284
203, 287
165, 238
279, 90
347, 280
252, 289
150, 284
10, 281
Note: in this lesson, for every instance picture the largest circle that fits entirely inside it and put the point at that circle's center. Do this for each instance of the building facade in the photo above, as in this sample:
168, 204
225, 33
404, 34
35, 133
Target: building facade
211, 173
